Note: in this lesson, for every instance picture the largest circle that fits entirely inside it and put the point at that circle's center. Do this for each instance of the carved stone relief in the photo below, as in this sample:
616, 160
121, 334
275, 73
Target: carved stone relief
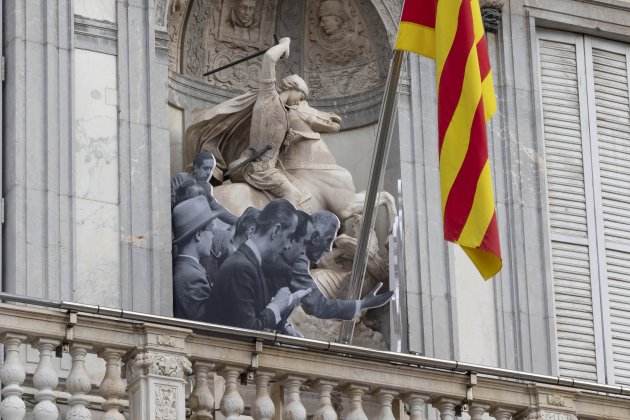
341, 58
219, 32
176, 11
290, 22
160, 12
153, 363
341, 47
549, 415
165, 402
556, 399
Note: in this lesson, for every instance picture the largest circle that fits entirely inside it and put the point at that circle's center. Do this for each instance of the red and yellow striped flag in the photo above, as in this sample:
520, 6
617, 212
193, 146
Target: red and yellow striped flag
451, 32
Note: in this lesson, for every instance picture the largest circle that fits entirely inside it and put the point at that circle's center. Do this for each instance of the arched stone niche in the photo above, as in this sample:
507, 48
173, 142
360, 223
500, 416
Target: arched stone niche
340, 47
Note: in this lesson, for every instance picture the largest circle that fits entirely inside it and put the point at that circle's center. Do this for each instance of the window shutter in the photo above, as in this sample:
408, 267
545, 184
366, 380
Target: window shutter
567, 198
612, 105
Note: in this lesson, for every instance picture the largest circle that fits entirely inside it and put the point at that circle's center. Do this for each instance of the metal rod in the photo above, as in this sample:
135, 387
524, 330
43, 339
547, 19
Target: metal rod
410, 360
240, 60
379, 160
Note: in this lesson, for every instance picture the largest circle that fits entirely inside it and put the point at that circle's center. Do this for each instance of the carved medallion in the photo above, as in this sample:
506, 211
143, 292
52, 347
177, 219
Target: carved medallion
341, 57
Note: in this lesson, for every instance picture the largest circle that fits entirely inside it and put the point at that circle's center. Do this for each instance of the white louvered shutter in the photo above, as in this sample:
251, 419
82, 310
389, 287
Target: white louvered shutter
612, 106
567, 198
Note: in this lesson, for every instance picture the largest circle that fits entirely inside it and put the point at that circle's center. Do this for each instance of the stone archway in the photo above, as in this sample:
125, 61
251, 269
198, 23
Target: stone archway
345, 68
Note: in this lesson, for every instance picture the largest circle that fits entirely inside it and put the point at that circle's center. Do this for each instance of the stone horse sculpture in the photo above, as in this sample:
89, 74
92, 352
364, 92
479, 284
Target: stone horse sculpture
309, 163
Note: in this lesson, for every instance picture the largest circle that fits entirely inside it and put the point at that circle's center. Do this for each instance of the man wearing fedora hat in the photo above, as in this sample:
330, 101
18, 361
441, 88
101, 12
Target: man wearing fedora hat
192, 231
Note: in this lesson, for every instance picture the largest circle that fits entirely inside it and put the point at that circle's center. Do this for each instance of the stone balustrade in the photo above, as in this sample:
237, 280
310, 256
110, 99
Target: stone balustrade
156, 371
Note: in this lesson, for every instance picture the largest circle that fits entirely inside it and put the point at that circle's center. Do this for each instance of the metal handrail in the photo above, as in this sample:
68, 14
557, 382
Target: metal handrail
411, 360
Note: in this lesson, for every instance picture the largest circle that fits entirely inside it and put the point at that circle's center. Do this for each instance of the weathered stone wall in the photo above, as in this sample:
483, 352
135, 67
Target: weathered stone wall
86, 135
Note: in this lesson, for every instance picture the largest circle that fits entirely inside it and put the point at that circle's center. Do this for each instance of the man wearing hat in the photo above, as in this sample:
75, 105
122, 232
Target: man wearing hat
192, 231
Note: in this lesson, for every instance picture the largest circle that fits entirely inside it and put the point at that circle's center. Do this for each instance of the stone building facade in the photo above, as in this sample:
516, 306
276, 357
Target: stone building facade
96, 95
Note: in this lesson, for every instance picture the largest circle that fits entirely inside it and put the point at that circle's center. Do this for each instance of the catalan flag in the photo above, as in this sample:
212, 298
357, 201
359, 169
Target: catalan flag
451, 32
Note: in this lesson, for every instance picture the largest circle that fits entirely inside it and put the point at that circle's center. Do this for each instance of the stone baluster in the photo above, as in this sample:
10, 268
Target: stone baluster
385, 397
201, 401
417, 405
293, 409
355, 393
45, 380
78, 384
502, 413
446, 407
232, 404
476, 411
12, 374
325, 410
263, 408
112, 387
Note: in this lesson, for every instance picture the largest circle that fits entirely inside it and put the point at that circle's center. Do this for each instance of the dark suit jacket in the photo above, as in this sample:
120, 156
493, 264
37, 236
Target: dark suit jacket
240, 296
315, 303
191, 289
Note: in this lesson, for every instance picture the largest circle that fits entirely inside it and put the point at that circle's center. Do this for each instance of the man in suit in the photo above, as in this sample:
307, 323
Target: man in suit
241, 296
192, 229
313, 237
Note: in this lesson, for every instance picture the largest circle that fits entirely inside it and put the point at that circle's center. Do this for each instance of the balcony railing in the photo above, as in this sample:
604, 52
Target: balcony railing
173, 368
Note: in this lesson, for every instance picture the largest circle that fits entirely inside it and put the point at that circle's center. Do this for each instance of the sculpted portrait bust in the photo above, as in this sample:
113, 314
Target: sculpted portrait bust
334, 24
243, 21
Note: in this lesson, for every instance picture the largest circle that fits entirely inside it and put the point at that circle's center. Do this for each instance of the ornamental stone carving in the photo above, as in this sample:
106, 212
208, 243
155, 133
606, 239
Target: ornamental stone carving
165, 402
549, 415
341, 57
220, 32
166, 340
161, 364
341, 47
491, 14
176, 11
160, 12
556, 399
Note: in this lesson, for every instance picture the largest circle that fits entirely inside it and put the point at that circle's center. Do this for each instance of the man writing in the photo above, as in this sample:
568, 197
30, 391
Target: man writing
241, 296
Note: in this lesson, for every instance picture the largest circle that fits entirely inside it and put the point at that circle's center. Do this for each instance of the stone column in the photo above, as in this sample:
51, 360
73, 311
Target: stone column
112, 387
355, 393
446, 407
293, 409
156, 382
12, 374
37, 141
500, 413
45, 380
325, 410
263, 407
477, 410
417, 405
385, 398
78, 384
144, 184
201, 401
232, 404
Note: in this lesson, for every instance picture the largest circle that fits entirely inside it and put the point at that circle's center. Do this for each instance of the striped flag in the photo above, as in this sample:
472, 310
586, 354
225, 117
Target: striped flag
451, 32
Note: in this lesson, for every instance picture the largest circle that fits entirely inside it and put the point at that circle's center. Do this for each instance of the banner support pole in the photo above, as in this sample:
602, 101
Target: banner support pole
379, 160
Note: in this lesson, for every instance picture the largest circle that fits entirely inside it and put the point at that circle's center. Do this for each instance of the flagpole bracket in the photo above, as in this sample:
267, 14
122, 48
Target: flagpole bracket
463, 406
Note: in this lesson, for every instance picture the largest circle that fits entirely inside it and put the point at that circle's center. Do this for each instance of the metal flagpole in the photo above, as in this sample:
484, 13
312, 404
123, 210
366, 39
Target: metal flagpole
379, 160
